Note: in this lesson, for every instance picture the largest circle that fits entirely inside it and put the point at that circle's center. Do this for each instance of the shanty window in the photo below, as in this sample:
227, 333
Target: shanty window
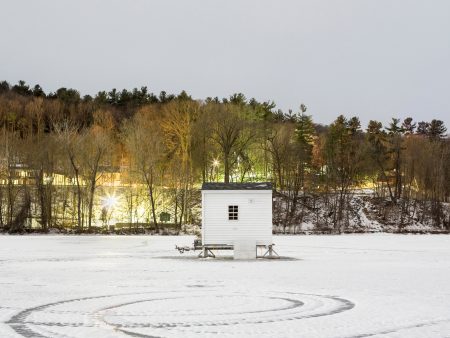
233, 211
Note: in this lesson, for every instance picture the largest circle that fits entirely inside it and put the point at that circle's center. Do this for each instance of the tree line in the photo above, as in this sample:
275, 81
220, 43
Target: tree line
61, 154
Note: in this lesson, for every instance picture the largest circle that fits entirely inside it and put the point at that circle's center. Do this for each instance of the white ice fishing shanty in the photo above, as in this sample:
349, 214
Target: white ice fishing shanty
237, 216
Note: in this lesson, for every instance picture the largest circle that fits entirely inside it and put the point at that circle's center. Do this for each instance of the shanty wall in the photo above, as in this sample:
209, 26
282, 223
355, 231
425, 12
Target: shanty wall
255, 216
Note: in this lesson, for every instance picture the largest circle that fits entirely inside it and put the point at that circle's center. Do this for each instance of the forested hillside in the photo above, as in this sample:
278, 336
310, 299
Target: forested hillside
134, 160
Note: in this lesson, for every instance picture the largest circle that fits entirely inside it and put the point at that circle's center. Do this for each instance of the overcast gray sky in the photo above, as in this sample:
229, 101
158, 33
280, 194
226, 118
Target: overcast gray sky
375, 59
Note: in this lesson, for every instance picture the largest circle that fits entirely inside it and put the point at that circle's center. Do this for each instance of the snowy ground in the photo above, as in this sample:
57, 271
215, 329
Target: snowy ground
331, 286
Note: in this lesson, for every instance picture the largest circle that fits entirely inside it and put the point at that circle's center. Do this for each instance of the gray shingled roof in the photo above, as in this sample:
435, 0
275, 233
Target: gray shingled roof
237, 186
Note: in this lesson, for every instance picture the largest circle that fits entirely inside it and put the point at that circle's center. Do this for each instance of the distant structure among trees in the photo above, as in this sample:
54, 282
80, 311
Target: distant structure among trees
133, 159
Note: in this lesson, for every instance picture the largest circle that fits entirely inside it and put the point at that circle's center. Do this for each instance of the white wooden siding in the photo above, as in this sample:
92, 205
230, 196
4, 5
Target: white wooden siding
255, 216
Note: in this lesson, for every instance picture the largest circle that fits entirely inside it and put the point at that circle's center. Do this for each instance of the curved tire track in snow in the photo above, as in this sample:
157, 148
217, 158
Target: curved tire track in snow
138, 317
400, 328
19, 322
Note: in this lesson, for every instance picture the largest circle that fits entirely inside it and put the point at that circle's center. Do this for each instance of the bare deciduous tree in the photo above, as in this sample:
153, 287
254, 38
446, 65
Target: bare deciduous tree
145, 144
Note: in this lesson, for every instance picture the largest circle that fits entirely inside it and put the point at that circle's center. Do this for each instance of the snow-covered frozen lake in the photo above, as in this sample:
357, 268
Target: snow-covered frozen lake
331, 286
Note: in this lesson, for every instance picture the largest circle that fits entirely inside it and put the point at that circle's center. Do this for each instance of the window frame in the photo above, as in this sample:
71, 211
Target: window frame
233, 212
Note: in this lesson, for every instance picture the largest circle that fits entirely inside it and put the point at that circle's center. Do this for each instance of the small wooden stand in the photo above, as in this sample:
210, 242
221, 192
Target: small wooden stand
270, 252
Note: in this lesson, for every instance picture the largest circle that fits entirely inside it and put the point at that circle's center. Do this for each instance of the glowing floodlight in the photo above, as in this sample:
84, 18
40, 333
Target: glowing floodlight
110, 202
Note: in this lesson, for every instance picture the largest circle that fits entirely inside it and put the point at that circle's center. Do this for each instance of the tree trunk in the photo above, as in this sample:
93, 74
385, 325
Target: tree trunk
91, 203
78, 191
152, 201
226, 169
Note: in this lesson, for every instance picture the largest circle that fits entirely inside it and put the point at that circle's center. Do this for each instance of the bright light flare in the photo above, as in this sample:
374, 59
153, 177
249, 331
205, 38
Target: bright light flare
215, 163
110, 202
